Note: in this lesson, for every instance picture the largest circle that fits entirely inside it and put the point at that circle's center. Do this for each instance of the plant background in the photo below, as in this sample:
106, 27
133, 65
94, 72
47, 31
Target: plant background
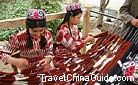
11, 9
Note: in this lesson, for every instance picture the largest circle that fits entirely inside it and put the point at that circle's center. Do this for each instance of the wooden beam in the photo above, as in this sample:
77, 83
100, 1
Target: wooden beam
55, 16
12, 22
21, 21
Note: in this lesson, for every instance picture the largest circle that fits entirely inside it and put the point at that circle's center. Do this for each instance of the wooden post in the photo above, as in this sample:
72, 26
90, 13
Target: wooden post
86, 22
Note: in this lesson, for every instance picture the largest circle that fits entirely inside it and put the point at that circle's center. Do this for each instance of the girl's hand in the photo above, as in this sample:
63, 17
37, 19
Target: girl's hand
20, 63
89, 38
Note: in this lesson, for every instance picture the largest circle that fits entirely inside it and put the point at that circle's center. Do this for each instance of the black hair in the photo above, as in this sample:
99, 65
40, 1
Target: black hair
67, 16
34, 24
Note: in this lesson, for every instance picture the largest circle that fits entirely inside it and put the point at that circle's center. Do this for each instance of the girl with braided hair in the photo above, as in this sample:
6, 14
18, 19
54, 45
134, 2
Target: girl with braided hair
34, 44
68, 40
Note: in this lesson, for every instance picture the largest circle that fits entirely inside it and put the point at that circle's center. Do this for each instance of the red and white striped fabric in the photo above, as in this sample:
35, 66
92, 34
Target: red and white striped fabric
68, 43
17, 42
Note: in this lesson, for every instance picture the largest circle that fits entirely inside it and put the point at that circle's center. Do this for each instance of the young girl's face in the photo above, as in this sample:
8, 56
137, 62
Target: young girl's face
36, 32
74, 20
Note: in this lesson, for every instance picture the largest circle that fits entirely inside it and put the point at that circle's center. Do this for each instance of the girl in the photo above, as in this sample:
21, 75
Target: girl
68, 40
34, 44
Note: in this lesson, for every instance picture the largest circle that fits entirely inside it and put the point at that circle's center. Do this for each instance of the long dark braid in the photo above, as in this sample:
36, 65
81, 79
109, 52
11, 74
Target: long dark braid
29, 40
42, 42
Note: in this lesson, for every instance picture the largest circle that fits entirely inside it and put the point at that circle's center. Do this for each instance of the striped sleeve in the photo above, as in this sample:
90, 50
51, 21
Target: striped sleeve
49, 43
11, 47
69, 42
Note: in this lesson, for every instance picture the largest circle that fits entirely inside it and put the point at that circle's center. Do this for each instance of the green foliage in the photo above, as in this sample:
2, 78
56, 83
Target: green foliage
52, 26
51, 6
17, 8
5, 33
13, 9
36, 4
80, 26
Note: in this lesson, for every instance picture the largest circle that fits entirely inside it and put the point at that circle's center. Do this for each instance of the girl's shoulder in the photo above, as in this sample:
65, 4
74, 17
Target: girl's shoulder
47, 33
21, 33
63, 27
19, 36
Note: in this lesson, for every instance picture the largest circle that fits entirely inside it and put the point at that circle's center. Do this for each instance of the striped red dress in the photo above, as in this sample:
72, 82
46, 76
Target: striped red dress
17, 42
68, 43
